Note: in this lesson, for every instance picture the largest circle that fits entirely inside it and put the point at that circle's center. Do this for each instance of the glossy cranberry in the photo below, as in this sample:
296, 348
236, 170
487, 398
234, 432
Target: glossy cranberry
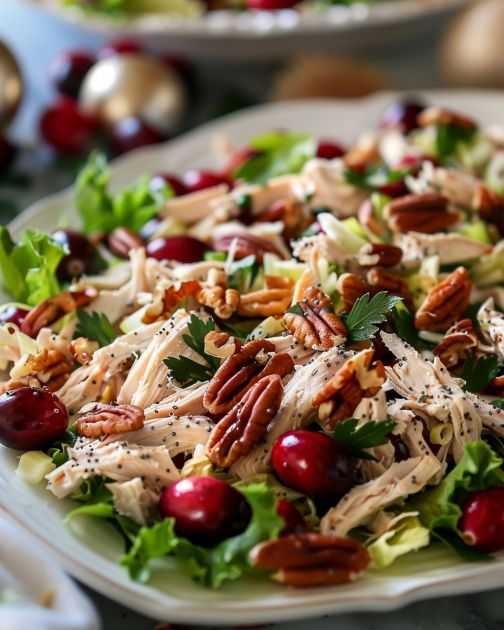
200, 179
176, 184
68, 70
132, 133
329, 150
206, 510
8, 154
403, 115
82, 257
311, 463
482, 522
184, 249
12, 315
271, 5
395, 189
294, 521
31, 419
66, 128
119, 47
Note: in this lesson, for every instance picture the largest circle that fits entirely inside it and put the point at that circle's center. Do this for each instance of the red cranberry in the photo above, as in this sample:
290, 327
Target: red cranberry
31, 419
206, 510
8, 154
176, 184
395, 189
482, 522
199, 180
294, 521
66, 128
184, 249
329, 150
311, 463
132, 133
68, 70
119, 47
402, 114
12, 315
271, 5
82, 257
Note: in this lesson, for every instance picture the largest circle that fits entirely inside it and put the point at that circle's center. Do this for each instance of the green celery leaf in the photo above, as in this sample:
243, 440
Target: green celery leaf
478, 373
95, 326
356, 439
366, 313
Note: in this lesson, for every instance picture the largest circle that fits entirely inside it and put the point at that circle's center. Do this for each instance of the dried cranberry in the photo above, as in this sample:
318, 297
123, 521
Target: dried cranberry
482, 522
66, 128
403, 115
68, 70
82, 257
329, 150
184, 249
200, 179
176, 184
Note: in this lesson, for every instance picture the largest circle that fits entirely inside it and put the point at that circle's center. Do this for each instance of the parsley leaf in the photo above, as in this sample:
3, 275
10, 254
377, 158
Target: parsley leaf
402, 321
186, 371
366, 312
95, 326
499, 403
374, 177
448, 139
295, 310
478, 373
355, 439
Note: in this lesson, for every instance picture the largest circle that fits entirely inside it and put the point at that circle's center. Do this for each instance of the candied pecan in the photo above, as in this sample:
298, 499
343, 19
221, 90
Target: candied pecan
381, 280
166, 300
265, 302
122, 240
311, 559
52, 309
356, 379
290, 212
445, 302
441, 116
246, 244
82, 349
458, 343
221, 344
368, 219
425, 212
245, 424
241, 371
318, 326
99, 419
380, 254
490, 206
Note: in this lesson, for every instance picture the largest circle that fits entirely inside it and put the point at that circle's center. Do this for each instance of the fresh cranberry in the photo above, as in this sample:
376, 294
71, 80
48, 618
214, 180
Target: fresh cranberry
329, 150
119, 47
8, 154
482, 522
403, 115
294, 521
68, 70
131, 133
184, 249
30, 419
206, 510
311, 463
12, 315
199, 180
66, 128
271, 5
238, 159
82, 257
176, 184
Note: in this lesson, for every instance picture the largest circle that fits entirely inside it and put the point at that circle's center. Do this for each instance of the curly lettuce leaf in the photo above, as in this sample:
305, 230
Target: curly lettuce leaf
227, 561
28, 268
409, 535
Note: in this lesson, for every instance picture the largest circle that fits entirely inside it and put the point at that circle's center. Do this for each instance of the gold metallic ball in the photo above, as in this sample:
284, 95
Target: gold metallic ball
123, 86
11, 85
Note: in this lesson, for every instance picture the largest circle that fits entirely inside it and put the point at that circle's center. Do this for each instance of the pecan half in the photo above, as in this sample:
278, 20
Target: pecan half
216, 295
459, 342
99, 419
311, 559
122, 240
490, 206
381, 280
350, 287
241, 371
425, 212
50, 367
441, 116
380, 254
246, 244
166, 300
290, 212
445, 303
246, 423
50, 310
356, 379
265, 302
82, 350
318, 327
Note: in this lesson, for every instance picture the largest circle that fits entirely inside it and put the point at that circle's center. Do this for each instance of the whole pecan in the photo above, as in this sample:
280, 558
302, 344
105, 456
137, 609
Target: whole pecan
166, 300
122, 240
490, 206
290, 212
445, 302
318, 326
425, 212
241, 371
380, 254
356, 379
246, 423
52, 309
311, 559
367, 218
441, 116
459, 342
246, 244
99, 419
265, 302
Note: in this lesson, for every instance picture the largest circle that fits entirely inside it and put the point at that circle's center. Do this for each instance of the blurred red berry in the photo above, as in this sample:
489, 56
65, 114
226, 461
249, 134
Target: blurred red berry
68, 70
66, 128
200, 179
271, 5
329, 150
132, 133
119, 47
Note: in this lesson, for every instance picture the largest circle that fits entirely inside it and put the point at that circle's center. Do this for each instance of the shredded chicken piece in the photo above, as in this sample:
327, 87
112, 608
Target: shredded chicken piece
195, 206
182, 402
132, 499
458, 186
491, 323
450, 248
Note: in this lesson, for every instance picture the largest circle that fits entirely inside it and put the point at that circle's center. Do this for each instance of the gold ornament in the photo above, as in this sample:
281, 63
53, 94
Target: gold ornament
472, 50
11, 85
136, 85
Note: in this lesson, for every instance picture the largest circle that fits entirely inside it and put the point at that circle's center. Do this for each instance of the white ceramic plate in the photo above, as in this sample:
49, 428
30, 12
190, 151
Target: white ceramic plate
90, 553
231, 34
